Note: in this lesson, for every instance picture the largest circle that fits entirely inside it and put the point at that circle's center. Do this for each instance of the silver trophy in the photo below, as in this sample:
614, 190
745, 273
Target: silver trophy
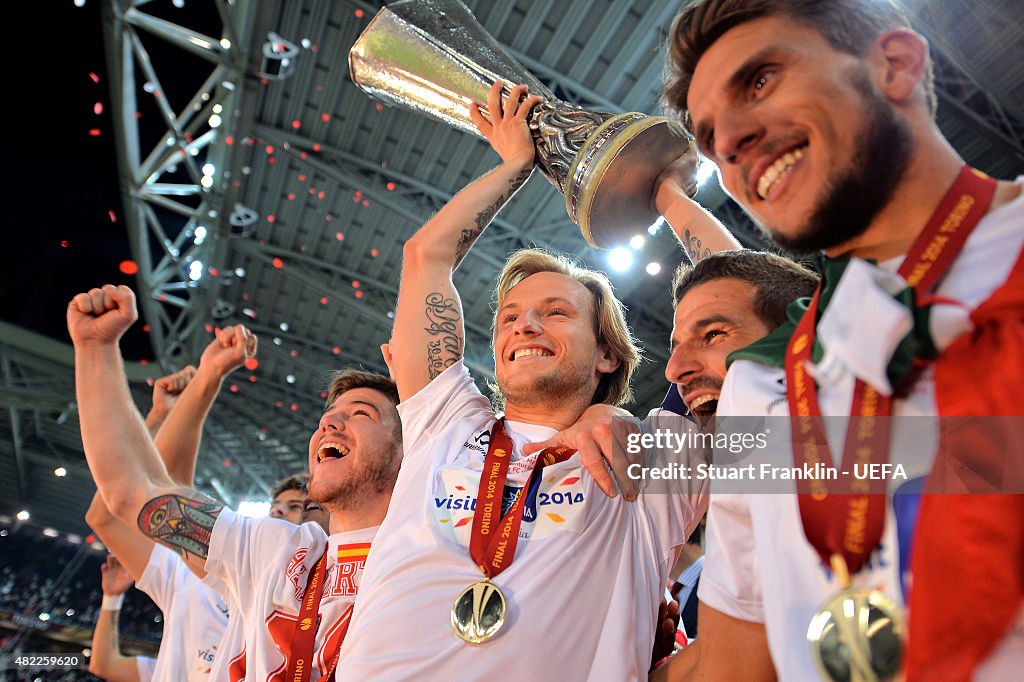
434, 57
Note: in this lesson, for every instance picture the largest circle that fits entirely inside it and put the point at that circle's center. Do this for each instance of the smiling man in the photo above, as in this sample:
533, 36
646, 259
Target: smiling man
485, 551
724, 303
820, 117
282, 576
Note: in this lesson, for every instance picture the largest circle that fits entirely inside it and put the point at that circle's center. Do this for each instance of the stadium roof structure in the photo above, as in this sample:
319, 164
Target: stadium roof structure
248, 189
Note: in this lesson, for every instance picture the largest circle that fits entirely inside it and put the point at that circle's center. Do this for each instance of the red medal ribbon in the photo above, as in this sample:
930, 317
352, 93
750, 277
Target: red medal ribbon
493, 538
851, 525
300, 663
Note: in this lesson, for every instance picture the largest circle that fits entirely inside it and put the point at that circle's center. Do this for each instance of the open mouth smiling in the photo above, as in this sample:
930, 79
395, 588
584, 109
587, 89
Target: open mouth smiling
331, 451
532, 351
777, 170
704, 405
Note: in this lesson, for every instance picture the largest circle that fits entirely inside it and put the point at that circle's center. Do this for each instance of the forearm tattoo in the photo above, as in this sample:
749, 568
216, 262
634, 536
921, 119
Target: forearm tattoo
692, 247
114, 631
181, 523
445, 349
484, 217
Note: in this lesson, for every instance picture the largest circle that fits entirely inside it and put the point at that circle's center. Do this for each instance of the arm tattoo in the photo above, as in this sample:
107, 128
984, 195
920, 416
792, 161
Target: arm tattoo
114, 634
692, 247
183, 524
484, 217
445, 349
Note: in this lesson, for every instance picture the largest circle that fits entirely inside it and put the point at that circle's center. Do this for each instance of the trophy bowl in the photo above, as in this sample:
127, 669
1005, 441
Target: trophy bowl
434, 58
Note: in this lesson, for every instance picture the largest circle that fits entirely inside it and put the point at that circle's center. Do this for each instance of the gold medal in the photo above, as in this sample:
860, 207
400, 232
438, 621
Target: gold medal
479, 612
857, 636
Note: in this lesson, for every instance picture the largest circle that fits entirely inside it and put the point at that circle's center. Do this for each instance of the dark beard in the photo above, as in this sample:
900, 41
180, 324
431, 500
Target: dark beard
852, 200
373, 479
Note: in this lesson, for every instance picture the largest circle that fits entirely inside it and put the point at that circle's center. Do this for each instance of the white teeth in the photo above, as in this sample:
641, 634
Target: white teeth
775, 171
340, 449
701, 400
524, 352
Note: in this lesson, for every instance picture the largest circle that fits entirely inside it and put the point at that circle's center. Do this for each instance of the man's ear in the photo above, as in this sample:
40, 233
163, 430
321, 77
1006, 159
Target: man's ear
606, 362
901, 60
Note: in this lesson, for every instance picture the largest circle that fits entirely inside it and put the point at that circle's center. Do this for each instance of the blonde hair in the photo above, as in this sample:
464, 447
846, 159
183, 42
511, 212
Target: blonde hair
610, 328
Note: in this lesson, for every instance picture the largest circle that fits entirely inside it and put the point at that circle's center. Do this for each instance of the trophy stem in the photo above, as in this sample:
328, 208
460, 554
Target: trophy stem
560, 131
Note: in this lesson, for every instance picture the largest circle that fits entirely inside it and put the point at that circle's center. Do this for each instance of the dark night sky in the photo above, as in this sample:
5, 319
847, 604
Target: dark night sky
61, 178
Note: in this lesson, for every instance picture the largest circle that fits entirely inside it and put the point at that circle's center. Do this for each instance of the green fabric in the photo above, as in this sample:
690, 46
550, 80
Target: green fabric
771, 350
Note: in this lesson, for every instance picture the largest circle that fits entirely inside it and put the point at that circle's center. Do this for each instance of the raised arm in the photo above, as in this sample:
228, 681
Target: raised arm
165, 394
429, 333
179, 437
699, 232
124, 462
106, 660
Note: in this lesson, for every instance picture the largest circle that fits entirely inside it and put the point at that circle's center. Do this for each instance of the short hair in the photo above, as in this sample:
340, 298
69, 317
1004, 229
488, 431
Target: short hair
345, 380
849, 26
777, 281
298, 482
610, 328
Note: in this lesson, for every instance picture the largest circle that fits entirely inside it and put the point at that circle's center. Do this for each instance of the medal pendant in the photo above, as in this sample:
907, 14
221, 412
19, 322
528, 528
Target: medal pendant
479, 612
857, 636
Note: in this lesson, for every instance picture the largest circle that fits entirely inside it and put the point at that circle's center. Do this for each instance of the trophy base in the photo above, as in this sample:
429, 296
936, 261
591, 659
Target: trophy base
612, 177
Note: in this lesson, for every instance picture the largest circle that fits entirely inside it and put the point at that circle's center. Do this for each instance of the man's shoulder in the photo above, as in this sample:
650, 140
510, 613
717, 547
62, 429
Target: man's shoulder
449, 398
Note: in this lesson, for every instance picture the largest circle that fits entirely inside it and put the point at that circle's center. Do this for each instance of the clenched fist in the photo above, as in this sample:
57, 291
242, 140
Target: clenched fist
167, 389
101, 316
229, 351
114, 579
